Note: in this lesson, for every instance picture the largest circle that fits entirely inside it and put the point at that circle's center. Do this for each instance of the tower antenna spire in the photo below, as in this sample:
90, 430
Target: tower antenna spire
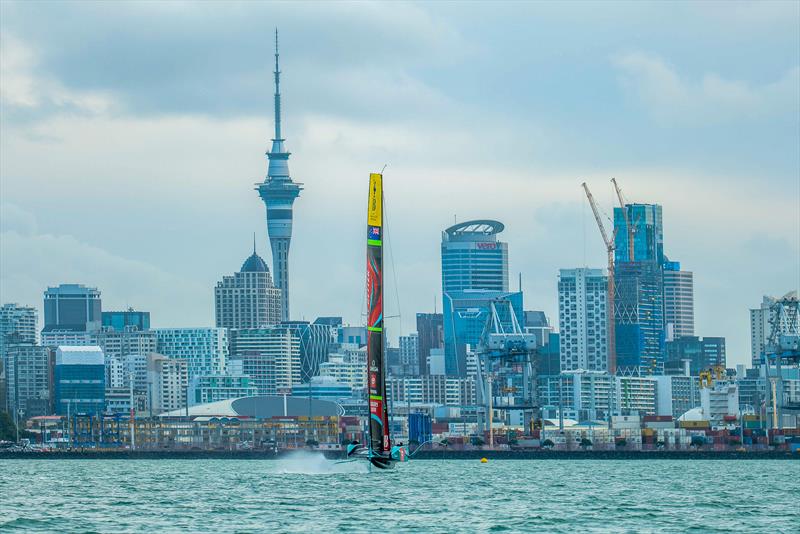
254, 242
277, 91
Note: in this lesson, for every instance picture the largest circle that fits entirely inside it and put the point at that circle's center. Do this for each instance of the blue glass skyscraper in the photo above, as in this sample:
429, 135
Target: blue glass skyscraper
474, 273
639, 289
79, 378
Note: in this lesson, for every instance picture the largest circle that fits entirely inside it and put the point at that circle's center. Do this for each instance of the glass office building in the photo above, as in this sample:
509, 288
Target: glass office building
79, 377
646, 231
474, 272
129, 319
72, 307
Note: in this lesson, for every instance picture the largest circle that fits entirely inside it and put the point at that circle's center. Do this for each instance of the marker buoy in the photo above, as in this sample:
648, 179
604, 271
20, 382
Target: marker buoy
484, 460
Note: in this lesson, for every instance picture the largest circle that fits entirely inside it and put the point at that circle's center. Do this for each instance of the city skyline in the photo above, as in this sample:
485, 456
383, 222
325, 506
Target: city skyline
217, 148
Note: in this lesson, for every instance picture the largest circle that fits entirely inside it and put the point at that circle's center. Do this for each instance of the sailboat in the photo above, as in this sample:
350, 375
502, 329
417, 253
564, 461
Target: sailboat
379, 450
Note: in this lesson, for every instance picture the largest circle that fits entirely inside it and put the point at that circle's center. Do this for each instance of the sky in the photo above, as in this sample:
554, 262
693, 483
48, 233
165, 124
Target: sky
132, 134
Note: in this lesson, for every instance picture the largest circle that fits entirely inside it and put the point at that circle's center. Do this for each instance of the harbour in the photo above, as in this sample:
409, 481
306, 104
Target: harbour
306, 493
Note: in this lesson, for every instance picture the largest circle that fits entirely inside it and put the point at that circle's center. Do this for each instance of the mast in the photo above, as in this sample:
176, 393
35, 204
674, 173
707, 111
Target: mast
379, 442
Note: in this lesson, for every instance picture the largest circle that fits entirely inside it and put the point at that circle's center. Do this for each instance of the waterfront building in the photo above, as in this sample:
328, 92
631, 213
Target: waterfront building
316, 342
582, 313
168, 382
639, 318
678, 301
433, 389
409, 359
79, 380
323, 387
760, 327
581, 395
248, 299
29, 380
676, 394
213, 388
349, 366
635, 395
278, 192
204, 349
72, 307
269, 356
17, 325
127, 320
430, 335
3, 387
701, 353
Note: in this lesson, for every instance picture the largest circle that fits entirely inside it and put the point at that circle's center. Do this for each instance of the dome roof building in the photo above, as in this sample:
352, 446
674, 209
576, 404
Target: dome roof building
248, 299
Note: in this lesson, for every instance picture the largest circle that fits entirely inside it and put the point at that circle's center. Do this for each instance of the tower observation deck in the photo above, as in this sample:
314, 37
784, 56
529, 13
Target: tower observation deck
278, 192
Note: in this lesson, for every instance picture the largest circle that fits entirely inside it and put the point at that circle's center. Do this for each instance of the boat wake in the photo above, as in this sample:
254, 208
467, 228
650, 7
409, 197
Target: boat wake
315, 463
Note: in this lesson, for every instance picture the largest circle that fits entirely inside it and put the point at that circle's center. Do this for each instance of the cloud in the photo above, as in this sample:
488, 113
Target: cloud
30, 261
673, 99
23, 91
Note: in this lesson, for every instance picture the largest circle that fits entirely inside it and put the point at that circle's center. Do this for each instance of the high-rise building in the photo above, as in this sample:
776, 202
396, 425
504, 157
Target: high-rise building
316, 341
17, 325
29, 379
582, 319
760, 327
278, 192
701, 353
639, 318
474, 272
639, 324
79, 380
72, 307
204, 349
678, 301
168, 380
248, 299
127, 320
647, 231
409, 359
269, 356
430, 335
473, 258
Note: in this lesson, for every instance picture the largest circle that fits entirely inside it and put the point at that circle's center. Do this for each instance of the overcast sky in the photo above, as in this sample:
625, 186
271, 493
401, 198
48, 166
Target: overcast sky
132, 135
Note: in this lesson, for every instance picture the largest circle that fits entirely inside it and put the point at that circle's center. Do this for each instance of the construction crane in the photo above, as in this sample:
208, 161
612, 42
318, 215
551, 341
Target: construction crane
628, 225
610, 247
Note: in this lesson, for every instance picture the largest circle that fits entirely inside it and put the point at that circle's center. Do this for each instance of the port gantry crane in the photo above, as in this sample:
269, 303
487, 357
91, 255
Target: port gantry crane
610, 248
782, 346
504, 351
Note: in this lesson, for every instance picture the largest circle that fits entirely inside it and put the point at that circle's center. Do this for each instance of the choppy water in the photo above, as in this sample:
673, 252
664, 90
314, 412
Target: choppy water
311, 494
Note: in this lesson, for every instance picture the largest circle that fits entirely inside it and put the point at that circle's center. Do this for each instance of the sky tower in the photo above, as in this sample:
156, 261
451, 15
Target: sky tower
278, 192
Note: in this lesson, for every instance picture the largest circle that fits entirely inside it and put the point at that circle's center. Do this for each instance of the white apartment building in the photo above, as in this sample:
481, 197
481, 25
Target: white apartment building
205, 350
582, 318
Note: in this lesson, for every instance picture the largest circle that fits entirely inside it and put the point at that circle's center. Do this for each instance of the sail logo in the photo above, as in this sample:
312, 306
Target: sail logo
374, 216
374, 232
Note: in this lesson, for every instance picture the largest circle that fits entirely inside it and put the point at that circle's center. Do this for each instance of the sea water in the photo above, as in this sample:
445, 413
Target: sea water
307, 493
